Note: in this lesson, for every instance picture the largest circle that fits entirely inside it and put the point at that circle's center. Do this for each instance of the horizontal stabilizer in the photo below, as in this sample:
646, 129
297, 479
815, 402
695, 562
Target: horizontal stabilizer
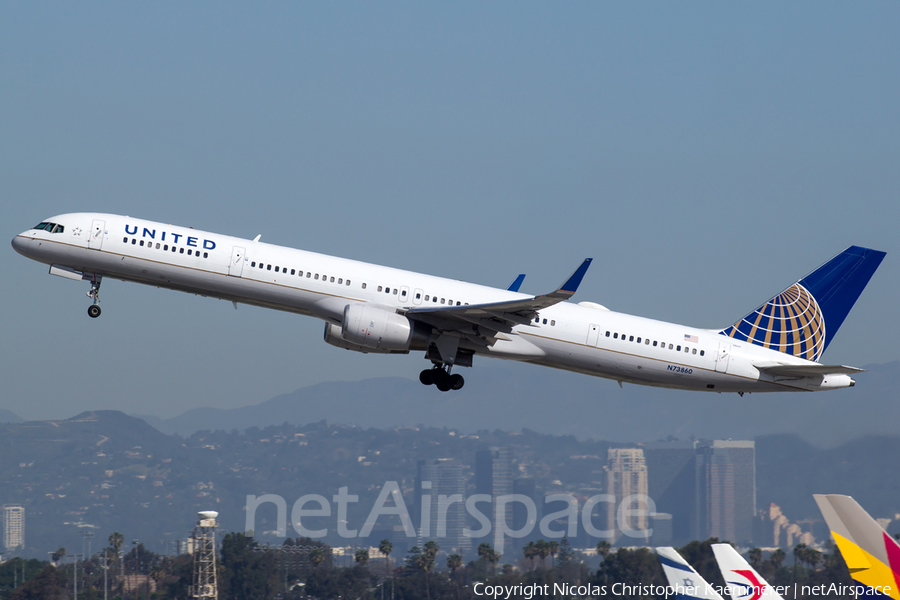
807, 370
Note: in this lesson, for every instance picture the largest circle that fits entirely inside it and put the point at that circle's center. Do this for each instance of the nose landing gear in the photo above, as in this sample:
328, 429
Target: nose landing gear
94, 294
440, 377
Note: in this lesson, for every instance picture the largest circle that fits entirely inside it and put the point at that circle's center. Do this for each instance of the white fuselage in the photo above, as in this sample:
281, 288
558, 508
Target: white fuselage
583, 338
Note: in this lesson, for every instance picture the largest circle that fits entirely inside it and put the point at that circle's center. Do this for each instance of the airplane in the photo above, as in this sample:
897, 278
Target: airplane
871, 554
741, 580
377, 309
685, 581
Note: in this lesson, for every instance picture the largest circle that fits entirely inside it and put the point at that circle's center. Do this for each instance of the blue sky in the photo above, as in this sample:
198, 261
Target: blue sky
706, 155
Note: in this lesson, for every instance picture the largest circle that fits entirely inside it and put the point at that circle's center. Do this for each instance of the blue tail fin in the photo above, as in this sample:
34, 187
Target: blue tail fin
802, 319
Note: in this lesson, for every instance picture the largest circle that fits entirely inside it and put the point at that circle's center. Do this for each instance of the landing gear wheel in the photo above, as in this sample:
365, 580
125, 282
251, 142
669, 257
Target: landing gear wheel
93, 311
441, 379
457, 381
426, 378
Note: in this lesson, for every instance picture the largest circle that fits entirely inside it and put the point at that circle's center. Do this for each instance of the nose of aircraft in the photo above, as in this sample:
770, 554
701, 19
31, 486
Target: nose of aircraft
20, 243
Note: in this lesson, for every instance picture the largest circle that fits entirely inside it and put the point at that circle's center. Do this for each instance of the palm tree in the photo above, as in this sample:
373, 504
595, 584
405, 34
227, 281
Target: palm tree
755, 556
603, 548
116, 540
317, 557
454, 562
490, 556
386, 547
530, 551
361, 557
552, 548
543, 550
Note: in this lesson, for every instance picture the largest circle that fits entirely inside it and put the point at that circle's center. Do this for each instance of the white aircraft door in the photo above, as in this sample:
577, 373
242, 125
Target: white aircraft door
593, 335
95, 240
236, 266
723, 357
403, 296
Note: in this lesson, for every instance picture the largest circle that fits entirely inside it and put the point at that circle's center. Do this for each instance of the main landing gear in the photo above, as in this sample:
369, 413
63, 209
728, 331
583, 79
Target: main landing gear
440, 376
94, 294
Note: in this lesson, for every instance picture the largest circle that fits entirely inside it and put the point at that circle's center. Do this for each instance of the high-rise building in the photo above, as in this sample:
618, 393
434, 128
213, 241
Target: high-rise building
672, 480
626, 481
13, 527
725, 501
440, 510
493, 476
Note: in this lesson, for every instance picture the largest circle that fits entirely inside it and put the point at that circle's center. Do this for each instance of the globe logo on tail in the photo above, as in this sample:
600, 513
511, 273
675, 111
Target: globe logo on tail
791, 322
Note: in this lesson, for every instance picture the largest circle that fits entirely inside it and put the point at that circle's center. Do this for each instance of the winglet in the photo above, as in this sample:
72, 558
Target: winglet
515, 285
572, 283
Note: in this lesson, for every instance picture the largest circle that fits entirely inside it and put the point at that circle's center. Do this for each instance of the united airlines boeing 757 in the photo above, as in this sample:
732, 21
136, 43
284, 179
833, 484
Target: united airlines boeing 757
372, 308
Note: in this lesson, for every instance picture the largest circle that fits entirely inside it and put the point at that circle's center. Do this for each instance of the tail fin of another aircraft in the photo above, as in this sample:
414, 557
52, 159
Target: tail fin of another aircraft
741, 580
803, 319
872, 556
686, 583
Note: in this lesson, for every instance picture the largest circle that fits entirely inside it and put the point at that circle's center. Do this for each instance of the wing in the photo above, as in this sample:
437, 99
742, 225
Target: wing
484, 324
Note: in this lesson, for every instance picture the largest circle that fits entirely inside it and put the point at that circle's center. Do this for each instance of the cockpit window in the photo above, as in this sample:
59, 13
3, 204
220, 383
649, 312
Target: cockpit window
50, 227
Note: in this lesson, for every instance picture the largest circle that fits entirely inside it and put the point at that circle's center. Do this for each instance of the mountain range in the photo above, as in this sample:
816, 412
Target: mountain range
512, 397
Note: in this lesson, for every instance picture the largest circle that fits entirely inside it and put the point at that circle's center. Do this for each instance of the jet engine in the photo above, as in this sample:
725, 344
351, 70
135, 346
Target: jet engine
367, 328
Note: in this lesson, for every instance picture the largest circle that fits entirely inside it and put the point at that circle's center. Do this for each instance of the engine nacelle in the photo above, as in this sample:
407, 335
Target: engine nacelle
333, 337
367, 328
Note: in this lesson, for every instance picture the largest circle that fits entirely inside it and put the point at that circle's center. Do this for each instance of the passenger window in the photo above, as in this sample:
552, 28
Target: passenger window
380, 287
631, 338
142, 242
124, 240
340, 281
403, 294
348, 282
537, 319
166, 248
418, 296
647, 342
450, 302
457, 302
181, 250
317, 276
545, 321
702, 352
615, 336
133, 241
654, 343
189, 251
686, 349
268, 267
639, 340
260, 264
426, 297
670, 346
276, 268
308, 274
434, 299
678, 349
157, 245
694, 351
394, 291
332, 280
442, 300
363, 286
205, 255
300, 273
